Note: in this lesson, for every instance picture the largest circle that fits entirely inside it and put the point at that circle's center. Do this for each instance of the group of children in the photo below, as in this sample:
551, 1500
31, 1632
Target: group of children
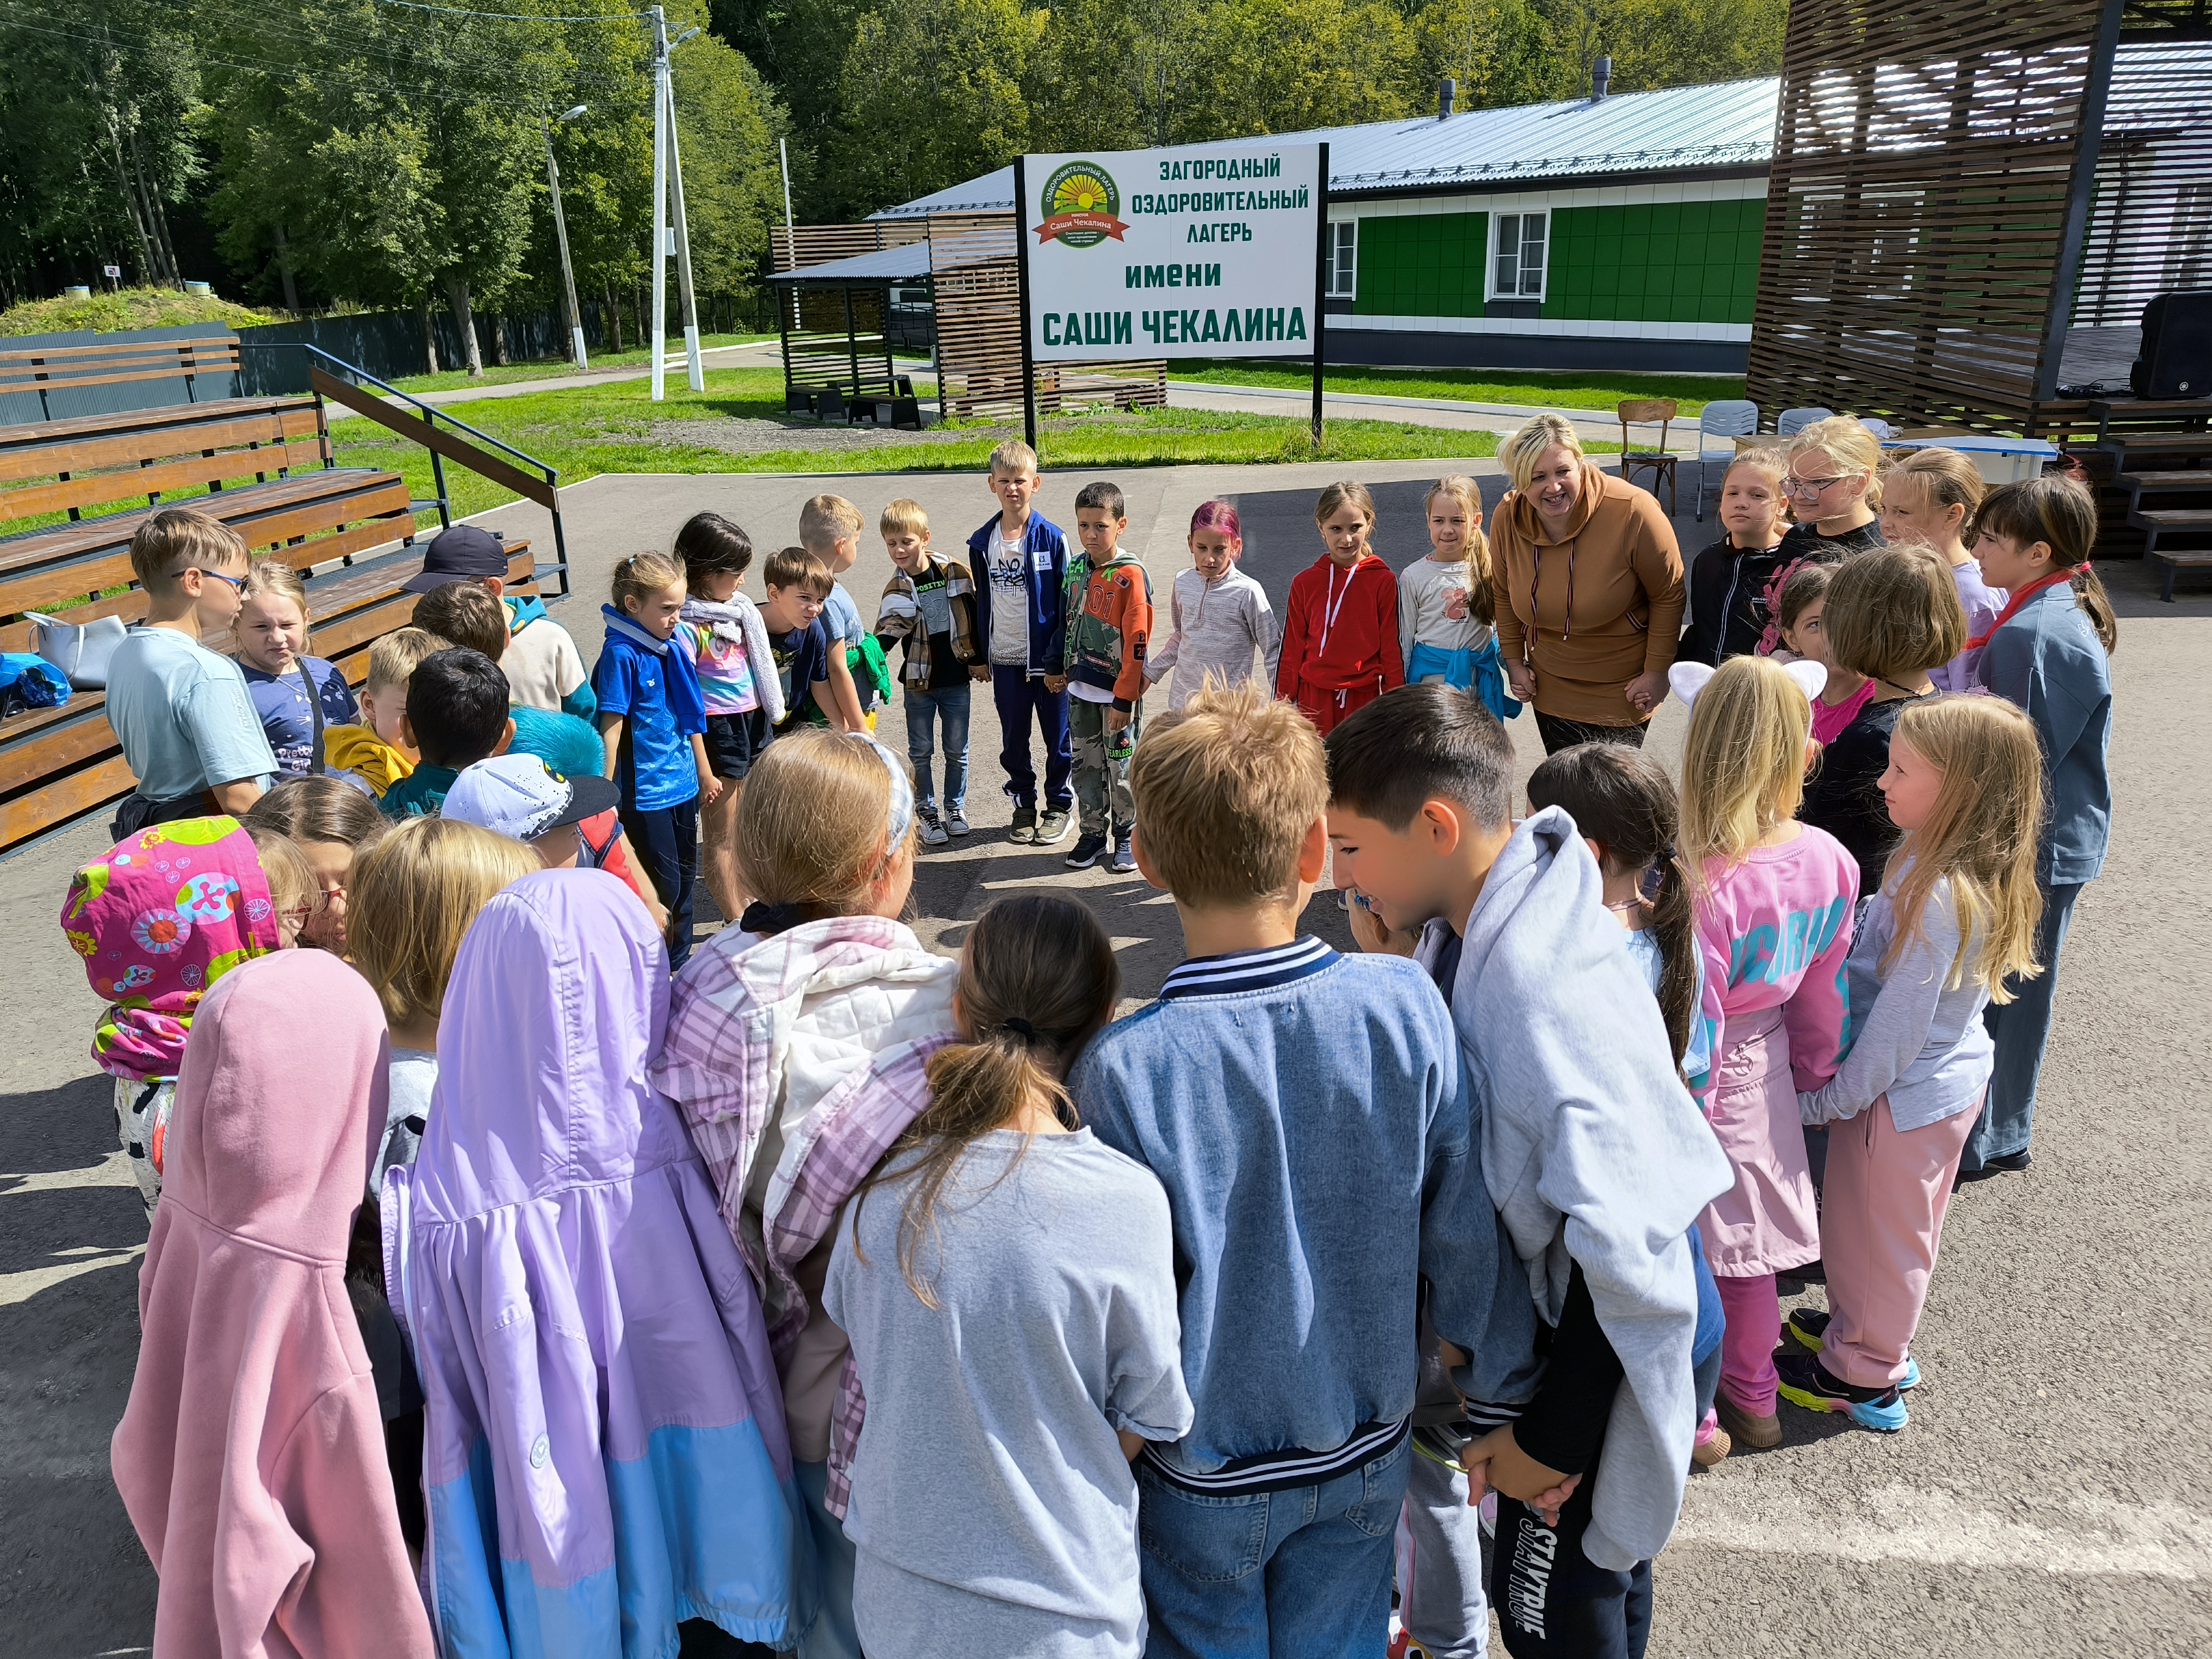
839, 1297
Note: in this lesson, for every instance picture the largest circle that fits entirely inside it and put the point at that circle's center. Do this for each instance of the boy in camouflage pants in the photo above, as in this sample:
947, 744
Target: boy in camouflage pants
1110, 612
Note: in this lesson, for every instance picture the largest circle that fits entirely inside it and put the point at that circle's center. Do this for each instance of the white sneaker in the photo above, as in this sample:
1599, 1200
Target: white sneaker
956, 823
933, 833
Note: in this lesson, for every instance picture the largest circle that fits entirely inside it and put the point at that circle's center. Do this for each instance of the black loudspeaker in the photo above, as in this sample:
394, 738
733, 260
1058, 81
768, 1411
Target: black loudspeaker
2177, 347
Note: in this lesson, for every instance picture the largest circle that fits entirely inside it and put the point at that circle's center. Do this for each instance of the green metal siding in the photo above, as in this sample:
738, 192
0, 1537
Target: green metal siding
1421, 265
1669, 262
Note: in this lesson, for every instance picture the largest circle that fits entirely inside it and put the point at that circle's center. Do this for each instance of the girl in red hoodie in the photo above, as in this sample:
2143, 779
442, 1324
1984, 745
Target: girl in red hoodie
1340, 643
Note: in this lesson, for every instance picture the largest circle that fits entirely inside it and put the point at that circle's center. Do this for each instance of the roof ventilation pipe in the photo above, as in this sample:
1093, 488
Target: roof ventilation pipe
1447, 96
1601, 74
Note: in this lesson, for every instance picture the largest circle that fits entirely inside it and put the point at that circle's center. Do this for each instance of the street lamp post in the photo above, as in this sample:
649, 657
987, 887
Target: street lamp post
561, 230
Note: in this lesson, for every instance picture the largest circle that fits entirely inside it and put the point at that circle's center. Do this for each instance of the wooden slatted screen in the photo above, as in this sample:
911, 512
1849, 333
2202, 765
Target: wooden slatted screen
979, 333
835, 336
797, 247
1917, 210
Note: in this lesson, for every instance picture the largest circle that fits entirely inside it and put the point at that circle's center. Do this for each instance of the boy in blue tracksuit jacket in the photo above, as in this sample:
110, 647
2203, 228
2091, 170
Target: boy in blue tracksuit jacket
1308, 1115
1020, 562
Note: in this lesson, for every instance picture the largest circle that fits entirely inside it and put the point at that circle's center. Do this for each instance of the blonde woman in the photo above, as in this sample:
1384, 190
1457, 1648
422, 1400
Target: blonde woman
1772, 899
1589, 580
1952, 932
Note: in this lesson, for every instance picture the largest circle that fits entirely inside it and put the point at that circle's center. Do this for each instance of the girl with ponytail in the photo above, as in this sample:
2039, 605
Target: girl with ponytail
1624, 804
1008, 1282
2049, 653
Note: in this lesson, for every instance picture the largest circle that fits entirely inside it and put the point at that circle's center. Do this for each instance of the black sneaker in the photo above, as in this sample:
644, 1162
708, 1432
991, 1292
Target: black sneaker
1052, 826
1088, 847
1025, 825
2002, 1163
1806, 1381
1809, 1329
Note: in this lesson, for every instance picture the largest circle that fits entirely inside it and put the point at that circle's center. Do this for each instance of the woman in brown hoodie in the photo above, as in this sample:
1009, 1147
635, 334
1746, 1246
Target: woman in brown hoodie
1591, 583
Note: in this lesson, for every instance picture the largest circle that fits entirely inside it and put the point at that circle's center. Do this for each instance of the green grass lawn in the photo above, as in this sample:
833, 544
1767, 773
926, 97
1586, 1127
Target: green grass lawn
615, 427
1566, 391
448, 380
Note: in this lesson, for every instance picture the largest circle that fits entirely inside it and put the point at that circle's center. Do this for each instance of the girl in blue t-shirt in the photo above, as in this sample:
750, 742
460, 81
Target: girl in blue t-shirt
271, 637
653, 720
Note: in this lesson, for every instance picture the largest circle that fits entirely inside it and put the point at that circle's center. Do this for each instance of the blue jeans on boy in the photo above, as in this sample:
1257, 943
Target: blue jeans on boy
2021, 1030
1302, 1573
924, 710
1019, 693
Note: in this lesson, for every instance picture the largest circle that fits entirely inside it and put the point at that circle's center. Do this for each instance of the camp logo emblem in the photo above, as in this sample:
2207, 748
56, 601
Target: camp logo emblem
1082, 206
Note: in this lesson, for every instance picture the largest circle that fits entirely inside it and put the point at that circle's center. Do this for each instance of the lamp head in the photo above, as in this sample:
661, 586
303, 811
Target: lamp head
574, 114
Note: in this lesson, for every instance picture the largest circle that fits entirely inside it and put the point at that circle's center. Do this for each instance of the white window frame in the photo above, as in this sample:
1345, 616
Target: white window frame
1490, 255
1343, 259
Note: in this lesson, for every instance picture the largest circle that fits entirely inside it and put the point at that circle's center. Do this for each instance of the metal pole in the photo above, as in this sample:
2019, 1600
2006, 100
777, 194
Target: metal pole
659, 204
695, 375
567, 270
790, 224
2081, 189
1022, 293
1320, 287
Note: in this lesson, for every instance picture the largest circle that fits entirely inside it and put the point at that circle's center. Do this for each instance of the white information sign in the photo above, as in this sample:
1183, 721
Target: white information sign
1201, 250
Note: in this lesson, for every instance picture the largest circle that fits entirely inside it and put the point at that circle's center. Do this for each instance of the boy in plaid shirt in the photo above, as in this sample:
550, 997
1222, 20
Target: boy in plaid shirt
929, 605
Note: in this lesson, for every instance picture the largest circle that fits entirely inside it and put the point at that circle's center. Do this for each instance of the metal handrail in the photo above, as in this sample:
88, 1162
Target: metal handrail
428, 416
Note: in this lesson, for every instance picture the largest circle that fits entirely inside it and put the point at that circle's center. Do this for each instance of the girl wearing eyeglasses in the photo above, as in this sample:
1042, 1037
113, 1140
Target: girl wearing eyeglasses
1832, 488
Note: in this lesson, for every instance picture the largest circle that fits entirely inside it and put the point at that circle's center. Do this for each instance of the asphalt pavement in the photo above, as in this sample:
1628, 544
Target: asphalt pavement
2052, 1496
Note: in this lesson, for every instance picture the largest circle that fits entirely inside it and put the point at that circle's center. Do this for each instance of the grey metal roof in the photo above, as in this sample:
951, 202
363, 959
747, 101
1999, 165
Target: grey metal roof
1729, 125
908, 263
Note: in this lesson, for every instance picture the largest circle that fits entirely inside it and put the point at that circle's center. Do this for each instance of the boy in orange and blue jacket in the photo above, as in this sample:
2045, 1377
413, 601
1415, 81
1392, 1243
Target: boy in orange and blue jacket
1109, 620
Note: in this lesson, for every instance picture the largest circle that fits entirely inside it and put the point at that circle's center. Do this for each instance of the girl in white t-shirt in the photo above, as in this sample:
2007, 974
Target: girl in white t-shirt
1446, 613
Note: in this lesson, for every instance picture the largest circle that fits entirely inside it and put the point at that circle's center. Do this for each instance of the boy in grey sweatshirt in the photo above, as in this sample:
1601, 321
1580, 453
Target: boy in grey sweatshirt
1592, 1149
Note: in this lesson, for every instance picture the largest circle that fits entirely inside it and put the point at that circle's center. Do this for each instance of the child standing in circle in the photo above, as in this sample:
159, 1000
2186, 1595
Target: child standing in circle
1834, 487
1340, 643
1446, 612
796, 1047
1805, 639
1219, 616
1008, 1283
1931, 495
1950, 931
1625, 805
1773, 902
1729, 580
653, 720
2049, 653
270, 634
739, 691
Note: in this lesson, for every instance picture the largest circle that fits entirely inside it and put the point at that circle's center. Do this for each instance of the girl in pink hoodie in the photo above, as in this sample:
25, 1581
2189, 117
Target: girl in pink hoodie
250, 1457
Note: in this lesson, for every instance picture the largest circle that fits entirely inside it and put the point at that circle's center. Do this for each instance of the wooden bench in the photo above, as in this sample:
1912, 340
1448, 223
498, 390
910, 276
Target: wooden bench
59, 764
48, 369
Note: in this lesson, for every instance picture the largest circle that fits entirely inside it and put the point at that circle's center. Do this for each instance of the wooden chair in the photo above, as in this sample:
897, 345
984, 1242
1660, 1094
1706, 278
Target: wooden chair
1641, 412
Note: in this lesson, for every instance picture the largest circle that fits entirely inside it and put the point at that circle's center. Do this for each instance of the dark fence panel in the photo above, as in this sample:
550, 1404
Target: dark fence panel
62, 404
389, 343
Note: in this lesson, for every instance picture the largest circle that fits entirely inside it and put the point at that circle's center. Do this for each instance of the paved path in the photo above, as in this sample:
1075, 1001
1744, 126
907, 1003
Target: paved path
1450, 413
2053, 1495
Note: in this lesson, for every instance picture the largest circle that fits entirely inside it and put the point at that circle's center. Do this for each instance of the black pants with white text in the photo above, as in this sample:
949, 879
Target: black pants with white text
1553, 1601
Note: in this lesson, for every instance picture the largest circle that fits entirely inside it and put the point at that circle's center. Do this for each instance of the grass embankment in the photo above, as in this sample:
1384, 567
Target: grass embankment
452, 379
1691, 392
737, 425
129, 308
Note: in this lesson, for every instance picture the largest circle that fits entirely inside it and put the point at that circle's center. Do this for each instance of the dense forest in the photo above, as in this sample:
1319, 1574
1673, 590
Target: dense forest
391, 153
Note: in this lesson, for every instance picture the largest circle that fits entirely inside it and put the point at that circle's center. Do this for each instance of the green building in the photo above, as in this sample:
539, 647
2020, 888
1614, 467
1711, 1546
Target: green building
1618, 233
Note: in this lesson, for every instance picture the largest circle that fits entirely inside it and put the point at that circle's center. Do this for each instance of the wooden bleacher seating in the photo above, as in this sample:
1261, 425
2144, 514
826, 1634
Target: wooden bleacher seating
261, 465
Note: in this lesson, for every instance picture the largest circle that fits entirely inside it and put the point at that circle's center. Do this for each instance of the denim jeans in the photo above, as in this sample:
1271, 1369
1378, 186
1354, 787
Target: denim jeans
924, 711
667, 842
1304, 1573
2021, 1030
1020, 695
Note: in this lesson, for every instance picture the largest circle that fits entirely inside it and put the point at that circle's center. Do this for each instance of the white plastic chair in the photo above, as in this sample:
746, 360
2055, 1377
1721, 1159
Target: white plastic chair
1728, 420
1789, 421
